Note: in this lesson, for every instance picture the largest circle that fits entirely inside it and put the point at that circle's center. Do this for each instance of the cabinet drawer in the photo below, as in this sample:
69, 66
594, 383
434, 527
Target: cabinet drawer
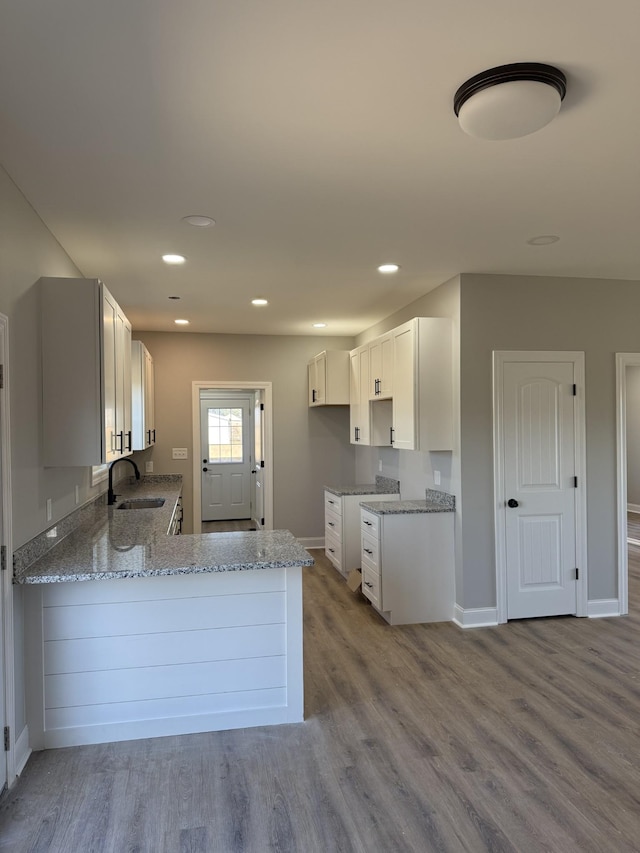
333, 550
371, 585
333, 523
332, 503
370, 550
369, 522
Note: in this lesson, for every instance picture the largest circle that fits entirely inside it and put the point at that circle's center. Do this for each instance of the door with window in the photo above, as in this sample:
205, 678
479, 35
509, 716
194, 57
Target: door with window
226, 438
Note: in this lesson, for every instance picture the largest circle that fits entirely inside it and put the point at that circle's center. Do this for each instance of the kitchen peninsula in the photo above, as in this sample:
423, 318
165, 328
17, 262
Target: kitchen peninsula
132, 633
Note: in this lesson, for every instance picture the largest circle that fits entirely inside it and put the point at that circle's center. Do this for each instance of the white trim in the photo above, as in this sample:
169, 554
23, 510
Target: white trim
266, 387
623, 360
22, 750
633, 508
500, 358
599, 608
475, 617
6, 594
311, 541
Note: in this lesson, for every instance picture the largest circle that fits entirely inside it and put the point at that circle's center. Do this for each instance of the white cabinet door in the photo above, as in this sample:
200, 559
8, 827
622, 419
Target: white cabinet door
142, 394
329, 379
359, 407
86, 375
381, 367
404, 388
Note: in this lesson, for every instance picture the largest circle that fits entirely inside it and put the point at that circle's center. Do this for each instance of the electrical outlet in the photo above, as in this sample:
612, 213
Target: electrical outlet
379, 464
180, 453
436, 478
49, 509
148, 467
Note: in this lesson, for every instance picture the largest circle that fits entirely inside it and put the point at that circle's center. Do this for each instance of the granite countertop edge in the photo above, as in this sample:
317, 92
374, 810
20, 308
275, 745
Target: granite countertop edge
117, 544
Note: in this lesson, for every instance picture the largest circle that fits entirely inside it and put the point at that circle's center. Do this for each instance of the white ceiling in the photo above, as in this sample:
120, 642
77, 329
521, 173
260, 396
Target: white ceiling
320, 136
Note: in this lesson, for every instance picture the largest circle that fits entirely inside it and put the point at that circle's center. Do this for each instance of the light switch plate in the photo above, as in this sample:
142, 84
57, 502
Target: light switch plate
436, 478
148, 467
180, 453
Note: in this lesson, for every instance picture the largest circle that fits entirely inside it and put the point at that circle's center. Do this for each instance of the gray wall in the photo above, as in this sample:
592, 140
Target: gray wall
598, 317
310, 446
633, 435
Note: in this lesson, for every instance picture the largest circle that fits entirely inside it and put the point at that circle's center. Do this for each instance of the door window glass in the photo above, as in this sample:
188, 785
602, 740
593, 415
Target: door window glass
225, 435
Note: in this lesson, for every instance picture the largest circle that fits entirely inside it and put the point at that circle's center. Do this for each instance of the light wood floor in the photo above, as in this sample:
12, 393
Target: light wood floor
227, 526
524, 737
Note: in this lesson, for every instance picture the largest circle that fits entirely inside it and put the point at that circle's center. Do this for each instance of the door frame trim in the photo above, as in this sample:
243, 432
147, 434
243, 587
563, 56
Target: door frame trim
500, 358
623, 360
6, 595
213, 384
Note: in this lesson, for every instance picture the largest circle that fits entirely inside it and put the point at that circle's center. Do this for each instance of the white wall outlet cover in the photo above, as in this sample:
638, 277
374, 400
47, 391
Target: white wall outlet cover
148, 467
180, 453
436, 478
379, 464
77, 495
49, 509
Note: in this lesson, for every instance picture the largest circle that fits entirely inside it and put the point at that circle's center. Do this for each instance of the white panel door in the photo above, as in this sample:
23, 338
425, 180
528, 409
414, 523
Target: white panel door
258, 455
539, 488
226, 441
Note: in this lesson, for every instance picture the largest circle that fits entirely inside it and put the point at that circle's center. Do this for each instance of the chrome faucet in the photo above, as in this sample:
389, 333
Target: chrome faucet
111, 496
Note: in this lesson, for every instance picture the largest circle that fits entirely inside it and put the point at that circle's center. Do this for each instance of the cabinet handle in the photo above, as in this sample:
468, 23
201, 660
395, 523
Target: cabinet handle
331, 524
330, 502
148, 436
313, 395
369, 523
130, 441
332, 551
391, 432
120, 449
356, 433
370, 585
367, 550
154, 435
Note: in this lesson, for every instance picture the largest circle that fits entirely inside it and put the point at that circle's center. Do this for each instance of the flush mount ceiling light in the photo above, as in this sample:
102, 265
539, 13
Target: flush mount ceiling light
388, 268
259, 302
181, 322
199, 221
543, 240
174, 259
510, 101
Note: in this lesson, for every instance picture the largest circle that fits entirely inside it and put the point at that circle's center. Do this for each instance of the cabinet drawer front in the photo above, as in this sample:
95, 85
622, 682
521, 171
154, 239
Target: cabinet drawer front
371, 550
369, 522
371, 585
333, 550
332, 503
333, 524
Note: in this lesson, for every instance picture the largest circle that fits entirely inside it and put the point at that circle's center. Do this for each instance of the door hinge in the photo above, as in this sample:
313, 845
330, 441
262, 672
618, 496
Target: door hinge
575, 391
3, 557
575, 482
577, 574
7, 738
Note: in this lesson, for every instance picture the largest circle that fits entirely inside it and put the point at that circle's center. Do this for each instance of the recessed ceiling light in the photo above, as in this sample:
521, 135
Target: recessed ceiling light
319, 325
174, 259
543, 240
199, 221
388, 268
259, 302
181, 322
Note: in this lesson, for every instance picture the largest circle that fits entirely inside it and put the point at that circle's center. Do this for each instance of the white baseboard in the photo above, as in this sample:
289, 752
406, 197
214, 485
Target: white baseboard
22, 750
598, 608
633, 508
311, 541
478, 617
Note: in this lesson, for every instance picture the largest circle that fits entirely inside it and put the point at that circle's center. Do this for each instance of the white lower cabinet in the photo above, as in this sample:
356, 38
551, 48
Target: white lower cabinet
408, 565
342, 527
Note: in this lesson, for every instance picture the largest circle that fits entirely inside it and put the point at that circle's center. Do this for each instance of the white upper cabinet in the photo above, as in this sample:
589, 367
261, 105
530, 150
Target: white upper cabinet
142, 394
86, 374
329, 378
359, 420
381, 367
422, 411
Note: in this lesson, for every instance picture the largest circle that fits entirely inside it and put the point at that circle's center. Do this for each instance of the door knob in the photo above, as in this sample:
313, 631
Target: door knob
512, 503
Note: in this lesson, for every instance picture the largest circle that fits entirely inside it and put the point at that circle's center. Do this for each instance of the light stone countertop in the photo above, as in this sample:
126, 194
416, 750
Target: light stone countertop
134, 543
435, 501
382, 486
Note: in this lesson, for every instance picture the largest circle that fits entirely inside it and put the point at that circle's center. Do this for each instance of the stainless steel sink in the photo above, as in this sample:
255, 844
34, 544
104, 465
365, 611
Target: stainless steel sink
141, 503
